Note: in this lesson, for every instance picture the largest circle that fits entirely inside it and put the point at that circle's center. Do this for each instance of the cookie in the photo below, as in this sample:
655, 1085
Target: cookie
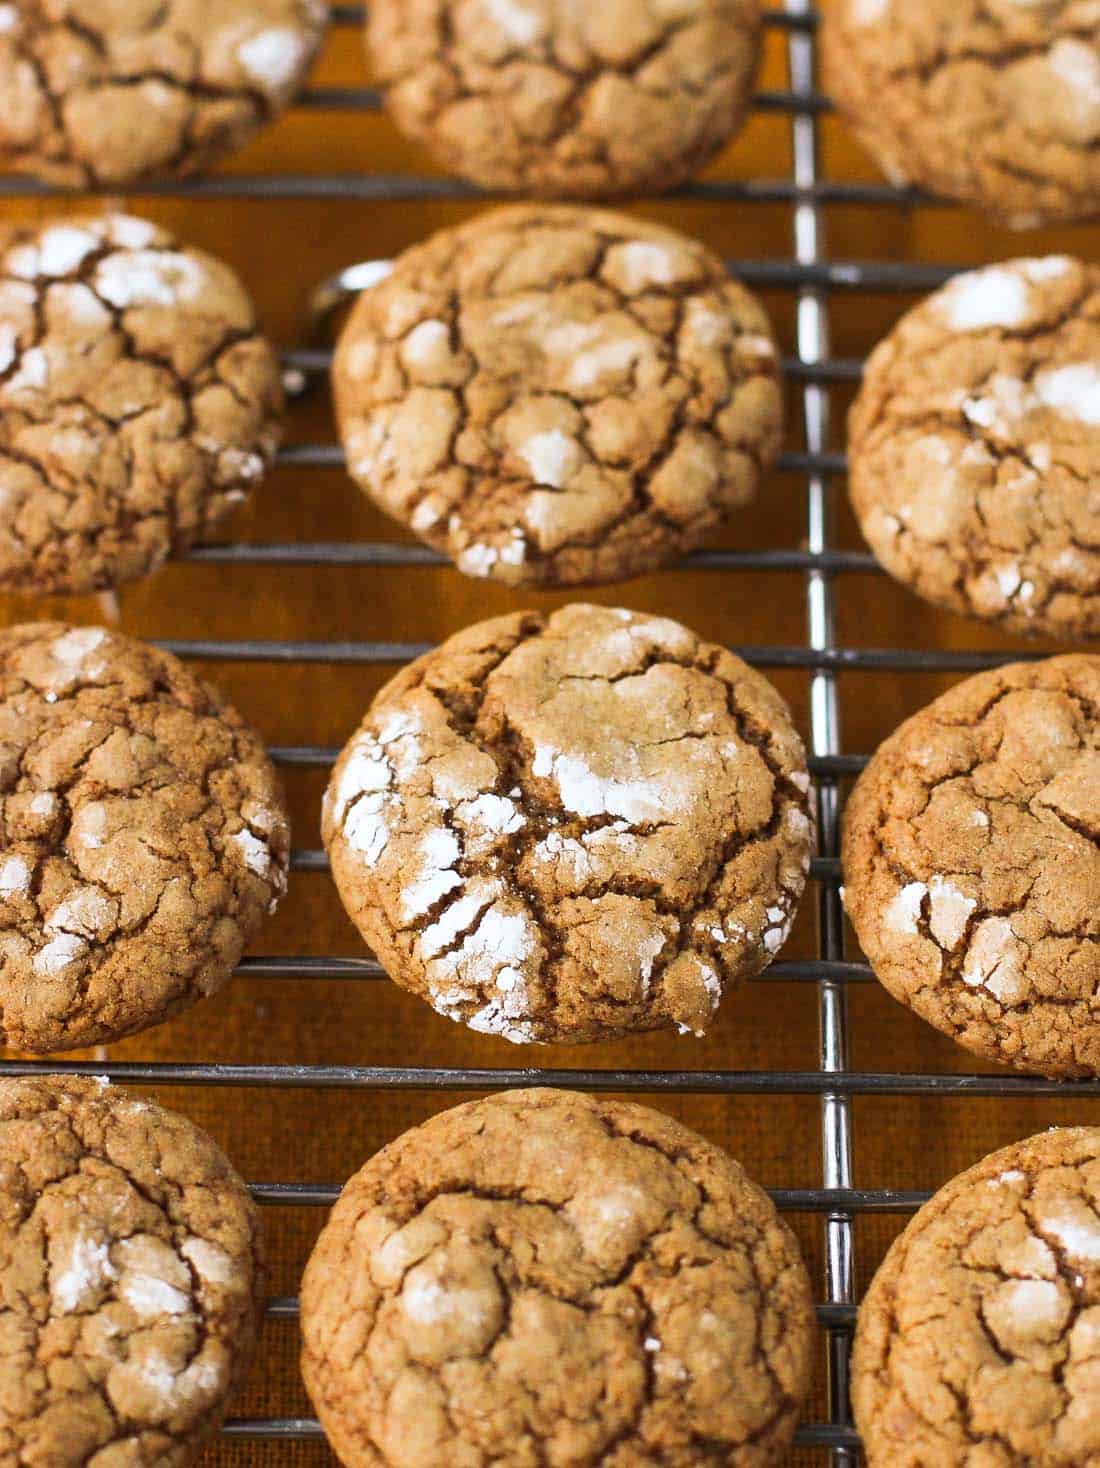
552, 98
94, 93
971, 866
992, 102
545, 1277
556, 396
138, 402
975, 447
130, 1266
142, 837
572, 827
979, 1339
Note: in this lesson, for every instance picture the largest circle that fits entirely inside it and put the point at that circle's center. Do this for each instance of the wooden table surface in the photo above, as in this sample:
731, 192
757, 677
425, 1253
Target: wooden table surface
282, 249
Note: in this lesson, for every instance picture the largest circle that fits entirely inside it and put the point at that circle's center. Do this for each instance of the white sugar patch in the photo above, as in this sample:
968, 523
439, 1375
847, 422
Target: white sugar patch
1075, 1226
58, 954
212, 1264
274, 57
151, 278
995, 961
63, 248
552, 457
1072, 391
84, 912
586, 793
75, 646
644, 264
868, 12
983, 299
34, 372
648, 951
950, 911
15, 877
88, 1269
1077, 64
1047, 267
424, 342
902, 913
257, 856
519, 24
438, 851
491, 815
9, 18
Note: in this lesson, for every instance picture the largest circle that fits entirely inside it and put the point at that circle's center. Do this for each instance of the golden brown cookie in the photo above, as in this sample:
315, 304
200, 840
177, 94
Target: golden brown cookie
550, 97
993, 102
972, 868
142, 837
573, 827
545, 1277
975, 447
557, 396
138, 401
131, 1275
979, 1339
101, 93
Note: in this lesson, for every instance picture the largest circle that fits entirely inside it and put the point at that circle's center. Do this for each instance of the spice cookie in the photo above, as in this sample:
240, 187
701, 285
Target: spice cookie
142, 837
979, 1339
545, 1277
573, 827
992, 102
131, 1276
975, 447
95, 93
971, 866
557, 396
138, 401
553, 98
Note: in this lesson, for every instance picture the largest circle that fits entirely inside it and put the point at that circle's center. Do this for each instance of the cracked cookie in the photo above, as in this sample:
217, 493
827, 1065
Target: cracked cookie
992, 102
142, 837
131, 1279
138, 401
557, 396
546, 1277
975, 447
972, 868
553, 98
574, 827
979, 1339
94, 93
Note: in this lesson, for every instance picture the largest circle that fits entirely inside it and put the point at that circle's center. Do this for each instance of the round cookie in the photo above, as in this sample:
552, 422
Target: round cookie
971, 866
94, 93
546, 1277
992, 102
978, 1340
975, 447
131, 1276
557, 396
142, 837
568, 828
138, 401
552, 98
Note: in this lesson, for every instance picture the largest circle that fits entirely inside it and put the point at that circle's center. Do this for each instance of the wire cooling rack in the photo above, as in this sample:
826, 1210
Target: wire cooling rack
812, 277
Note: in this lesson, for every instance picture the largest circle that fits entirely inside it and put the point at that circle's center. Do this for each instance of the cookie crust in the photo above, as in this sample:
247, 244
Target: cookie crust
144, 837
139, 402
550, 1277
573, 827
132, 1278
992, 102
975, 447
98, 94
972, 869
558, 396
550, 98
979, 1339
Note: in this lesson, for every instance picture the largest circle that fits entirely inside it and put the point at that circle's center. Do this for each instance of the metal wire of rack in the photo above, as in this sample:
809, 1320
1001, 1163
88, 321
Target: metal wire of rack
812, 276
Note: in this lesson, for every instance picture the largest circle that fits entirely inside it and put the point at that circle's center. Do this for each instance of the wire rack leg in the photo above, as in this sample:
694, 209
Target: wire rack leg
813, 347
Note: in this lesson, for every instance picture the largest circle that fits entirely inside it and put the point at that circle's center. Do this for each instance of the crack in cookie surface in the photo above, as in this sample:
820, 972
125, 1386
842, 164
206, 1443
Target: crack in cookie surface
553, 98
551, 1278
975, 447
972, 864
558, 396
97, 94
131, 1274
979, 1339
993, 102
143, 837
572, 827
138, 402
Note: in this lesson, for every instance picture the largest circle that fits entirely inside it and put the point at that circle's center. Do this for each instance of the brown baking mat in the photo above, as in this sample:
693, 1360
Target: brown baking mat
283, 247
